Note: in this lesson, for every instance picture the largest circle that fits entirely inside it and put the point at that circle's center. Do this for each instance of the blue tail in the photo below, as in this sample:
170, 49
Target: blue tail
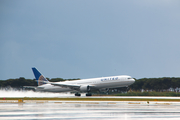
39, 77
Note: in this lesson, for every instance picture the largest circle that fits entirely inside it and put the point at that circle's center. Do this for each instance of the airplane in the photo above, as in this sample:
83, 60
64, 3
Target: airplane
84, 85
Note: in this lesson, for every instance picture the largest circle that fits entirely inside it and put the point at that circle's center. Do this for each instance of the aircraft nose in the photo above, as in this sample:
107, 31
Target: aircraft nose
133, 80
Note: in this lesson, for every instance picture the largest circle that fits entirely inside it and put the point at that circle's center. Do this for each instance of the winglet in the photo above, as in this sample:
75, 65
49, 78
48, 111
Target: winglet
39, 77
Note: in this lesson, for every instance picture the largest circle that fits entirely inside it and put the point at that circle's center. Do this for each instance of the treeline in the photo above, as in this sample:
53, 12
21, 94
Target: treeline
156, 84
153, 93
144, 84
20, 82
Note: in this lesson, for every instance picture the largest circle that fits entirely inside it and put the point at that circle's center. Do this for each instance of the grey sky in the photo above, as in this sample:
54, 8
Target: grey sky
86, 39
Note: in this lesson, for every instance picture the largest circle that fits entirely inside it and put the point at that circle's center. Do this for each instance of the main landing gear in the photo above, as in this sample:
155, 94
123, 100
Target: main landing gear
84, 88
77, 94
88, 91
87, 94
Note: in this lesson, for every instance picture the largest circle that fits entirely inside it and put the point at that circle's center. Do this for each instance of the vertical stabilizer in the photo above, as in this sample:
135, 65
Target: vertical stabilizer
39, 77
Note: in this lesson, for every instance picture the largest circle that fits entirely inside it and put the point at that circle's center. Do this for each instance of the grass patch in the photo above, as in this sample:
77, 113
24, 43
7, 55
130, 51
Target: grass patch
168, 94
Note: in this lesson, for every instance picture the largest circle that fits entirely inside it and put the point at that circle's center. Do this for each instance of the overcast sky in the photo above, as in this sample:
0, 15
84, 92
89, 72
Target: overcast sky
89, 38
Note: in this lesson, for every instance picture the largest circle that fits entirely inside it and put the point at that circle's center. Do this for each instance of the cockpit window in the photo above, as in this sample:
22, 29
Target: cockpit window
129, 78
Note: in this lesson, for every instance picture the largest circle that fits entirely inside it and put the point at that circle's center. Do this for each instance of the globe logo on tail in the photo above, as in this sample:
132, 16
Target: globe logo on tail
41, 80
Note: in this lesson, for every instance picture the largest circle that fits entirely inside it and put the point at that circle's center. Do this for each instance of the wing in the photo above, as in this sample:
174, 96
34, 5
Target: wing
71, 86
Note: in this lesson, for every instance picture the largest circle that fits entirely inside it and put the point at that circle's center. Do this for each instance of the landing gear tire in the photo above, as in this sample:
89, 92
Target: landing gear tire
88, 94
77, 94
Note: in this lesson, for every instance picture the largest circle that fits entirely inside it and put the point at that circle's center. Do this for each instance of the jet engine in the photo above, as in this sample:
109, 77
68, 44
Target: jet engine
85, 88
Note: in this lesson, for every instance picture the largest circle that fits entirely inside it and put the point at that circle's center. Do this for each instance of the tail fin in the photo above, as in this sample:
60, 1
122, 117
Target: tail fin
39, 77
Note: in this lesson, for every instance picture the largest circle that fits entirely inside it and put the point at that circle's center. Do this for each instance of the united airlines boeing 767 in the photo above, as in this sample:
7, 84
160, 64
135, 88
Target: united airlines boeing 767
84, 85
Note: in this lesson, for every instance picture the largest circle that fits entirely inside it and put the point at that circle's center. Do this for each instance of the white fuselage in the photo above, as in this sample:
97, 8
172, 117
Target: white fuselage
97, 83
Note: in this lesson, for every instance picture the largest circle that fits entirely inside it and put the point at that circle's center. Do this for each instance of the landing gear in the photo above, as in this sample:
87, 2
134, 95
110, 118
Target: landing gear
88, 94
107, 91
88, 91
127, 89
77, 94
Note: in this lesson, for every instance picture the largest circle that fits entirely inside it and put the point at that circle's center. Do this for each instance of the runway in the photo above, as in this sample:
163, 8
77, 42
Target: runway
34, 106
90, 110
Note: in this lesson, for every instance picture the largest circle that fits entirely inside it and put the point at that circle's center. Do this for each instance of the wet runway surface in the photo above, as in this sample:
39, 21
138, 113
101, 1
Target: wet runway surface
85, 110
90, 110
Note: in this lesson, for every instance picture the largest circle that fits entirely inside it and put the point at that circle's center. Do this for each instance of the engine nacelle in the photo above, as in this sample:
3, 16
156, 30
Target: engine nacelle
84, 88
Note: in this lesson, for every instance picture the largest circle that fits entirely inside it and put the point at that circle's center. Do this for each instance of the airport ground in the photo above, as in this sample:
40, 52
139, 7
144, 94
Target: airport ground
94, 108
16, 105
